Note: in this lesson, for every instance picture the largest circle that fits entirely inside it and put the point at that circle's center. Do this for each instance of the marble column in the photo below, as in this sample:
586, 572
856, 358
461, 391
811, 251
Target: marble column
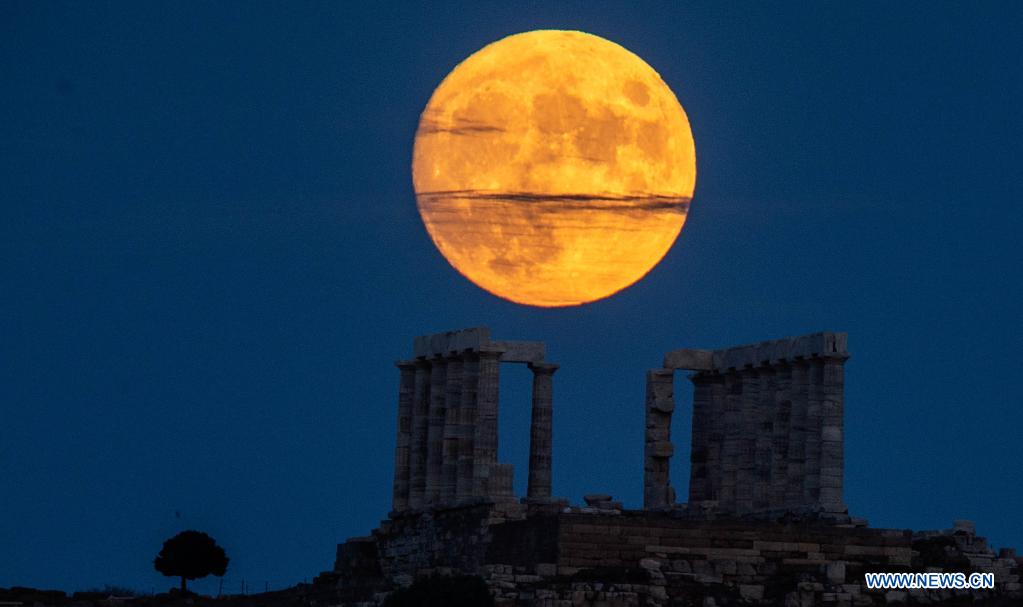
501, 483
467, 412
797, 435
452, 426
780, 435
485, 435
812, 467
745, 478
699, 489
716, 441
541, 430
435, 431
420, 424
403, 438
764, 441
831, 460
732, 446
658, 493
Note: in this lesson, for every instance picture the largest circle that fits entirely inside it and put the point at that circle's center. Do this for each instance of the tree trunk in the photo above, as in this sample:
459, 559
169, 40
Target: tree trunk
184, 585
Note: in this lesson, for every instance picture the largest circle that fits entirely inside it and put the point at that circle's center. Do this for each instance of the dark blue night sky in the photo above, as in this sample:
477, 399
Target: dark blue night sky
210, 255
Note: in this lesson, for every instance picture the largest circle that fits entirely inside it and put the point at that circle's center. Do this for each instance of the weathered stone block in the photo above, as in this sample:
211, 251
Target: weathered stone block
964, 526
689, 359
442, 344
521, 351
662, 449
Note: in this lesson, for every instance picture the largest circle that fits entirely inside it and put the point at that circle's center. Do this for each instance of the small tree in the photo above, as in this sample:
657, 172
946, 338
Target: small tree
191, 555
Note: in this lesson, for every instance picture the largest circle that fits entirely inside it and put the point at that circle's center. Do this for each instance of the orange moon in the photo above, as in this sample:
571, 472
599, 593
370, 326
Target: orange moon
553, 168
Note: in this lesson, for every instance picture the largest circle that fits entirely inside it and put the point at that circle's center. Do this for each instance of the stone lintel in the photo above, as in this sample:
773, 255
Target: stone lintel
476, 339
443, 344
689, 359
777, 351
521, 351
814, 345
543, 367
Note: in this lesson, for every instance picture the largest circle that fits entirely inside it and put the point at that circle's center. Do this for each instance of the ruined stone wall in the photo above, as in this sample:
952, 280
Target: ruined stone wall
622, 541
445, 538
767, 427
644, 558
456, 538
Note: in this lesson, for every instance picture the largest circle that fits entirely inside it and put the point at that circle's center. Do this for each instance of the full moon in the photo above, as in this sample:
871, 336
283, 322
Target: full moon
553, 168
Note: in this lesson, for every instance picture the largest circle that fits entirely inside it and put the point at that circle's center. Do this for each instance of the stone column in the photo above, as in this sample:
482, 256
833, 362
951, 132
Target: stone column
832, 438
435, 431
502, 483
540, 431
745, 478
699, 489
485, 436
732, 446
716, 443
658, 493
812, 466
452, 426
764, 439
780, 435
420, 425
467, 426
403, 438
797, 436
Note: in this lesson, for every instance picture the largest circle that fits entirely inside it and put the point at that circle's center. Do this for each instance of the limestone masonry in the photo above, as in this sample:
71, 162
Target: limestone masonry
446, 446
765, 522
767, 427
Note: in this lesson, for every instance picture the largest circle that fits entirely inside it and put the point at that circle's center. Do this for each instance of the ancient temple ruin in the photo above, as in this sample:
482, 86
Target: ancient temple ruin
765, 522
766, 427
446, 446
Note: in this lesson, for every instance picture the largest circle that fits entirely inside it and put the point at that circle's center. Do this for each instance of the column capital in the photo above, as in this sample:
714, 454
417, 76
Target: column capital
840, 357
543, 368
405, 364
706, 377
489, 353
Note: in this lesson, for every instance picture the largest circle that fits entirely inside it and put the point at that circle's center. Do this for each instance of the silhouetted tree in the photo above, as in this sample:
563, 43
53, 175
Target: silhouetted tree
191, 555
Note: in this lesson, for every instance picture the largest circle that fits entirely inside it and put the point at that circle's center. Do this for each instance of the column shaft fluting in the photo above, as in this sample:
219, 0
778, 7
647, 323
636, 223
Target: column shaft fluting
764, 438
541, 431
485, 439
435, 431
745, 479
452, 426
780, 435
403, 437
812, 467
831, 460
702, 400
420, 432
467, 426
732, 447
715, 447
797, 435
